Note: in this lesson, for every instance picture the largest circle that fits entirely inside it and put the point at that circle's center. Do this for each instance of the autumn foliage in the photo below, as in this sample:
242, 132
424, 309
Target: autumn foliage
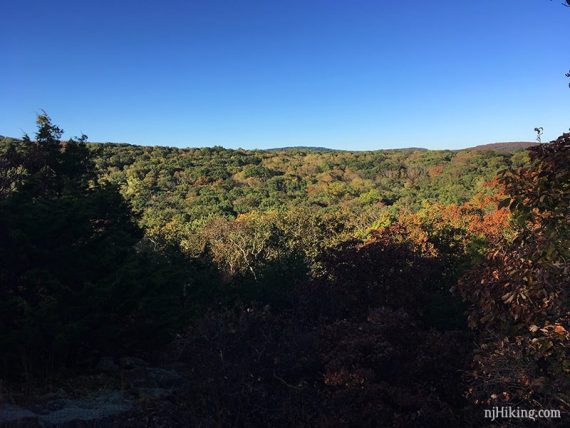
519, 296
397, 289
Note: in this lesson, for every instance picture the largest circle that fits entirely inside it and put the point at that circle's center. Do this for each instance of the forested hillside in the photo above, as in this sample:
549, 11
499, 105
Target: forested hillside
179, 192
291, 288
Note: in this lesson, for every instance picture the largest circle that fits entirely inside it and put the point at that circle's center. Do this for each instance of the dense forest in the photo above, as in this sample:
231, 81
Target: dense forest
291, 287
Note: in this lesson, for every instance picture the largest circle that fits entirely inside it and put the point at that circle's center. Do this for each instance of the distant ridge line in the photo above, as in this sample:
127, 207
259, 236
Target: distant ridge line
501, 147
508, 146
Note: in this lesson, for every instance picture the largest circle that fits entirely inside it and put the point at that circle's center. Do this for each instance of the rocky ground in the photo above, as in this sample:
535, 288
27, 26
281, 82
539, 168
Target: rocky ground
133, 387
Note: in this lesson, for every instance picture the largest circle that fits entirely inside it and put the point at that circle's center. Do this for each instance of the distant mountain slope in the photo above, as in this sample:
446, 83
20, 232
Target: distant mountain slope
326, 149
498, 147
504, 147
301, 148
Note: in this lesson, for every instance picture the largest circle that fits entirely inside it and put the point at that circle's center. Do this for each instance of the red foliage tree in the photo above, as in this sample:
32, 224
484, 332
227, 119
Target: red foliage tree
519, 296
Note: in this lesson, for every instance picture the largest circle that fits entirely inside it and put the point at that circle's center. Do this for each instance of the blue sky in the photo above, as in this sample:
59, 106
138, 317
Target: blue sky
349, 74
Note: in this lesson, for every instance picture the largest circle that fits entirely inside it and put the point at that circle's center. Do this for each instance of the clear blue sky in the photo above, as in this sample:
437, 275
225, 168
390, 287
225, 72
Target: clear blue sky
349, 74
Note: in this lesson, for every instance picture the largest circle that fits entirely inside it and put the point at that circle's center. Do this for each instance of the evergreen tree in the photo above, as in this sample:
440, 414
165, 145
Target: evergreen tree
73, 284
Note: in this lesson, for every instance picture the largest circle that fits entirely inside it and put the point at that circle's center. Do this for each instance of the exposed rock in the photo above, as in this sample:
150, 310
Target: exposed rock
14, 416
99, 410
96, 410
